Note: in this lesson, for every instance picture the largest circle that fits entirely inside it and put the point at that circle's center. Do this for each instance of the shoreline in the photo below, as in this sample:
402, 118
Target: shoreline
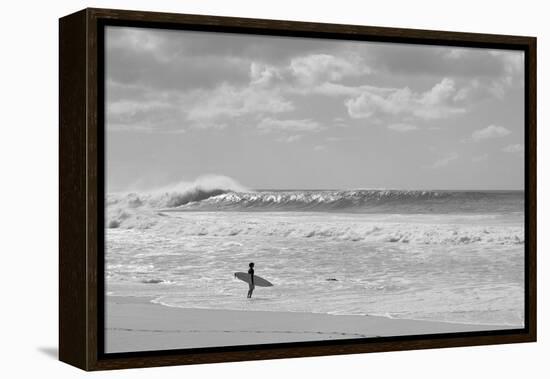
389, 317
137, 324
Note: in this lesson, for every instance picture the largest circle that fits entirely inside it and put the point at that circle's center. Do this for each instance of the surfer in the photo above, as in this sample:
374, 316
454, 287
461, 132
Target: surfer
252, 279
251, 284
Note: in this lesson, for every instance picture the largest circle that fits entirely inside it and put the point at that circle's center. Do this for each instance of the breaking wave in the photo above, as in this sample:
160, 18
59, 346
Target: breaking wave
362, 201
139, 206
198, 197
163, 207
178, 194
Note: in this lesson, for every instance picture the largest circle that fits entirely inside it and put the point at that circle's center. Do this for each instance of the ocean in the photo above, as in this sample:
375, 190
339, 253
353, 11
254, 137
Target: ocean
455, 256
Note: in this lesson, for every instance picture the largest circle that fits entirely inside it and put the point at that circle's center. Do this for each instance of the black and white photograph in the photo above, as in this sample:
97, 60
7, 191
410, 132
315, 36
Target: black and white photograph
268, 189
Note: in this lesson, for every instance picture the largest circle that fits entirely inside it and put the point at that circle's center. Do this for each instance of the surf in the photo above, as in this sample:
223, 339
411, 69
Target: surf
360, 201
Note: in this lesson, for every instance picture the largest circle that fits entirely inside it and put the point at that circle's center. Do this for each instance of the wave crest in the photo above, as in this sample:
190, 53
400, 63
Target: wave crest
139, 209
177, 195
361, 201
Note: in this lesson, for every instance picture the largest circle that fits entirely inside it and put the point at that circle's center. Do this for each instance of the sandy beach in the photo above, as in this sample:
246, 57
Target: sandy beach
136, 324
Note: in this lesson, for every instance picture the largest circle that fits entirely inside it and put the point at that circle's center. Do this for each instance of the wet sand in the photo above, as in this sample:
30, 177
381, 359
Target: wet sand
136, 324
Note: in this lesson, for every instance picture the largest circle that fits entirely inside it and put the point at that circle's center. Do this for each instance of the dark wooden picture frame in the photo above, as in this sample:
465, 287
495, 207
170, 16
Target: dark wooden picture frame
81, 188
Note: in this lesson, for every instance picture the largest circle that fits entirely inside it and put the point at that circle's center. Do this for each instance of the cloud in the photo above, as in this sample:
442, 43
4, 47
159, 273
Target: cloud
512, 63
515, 148
368, 103
133, 38
151, 109
171, 81
319, 148
144, 113
442, 91
402, 127
263, 75
151, 64
435, 103
306, 125
432, 61
496, 71
442, 162
490, 132
315, 68
455, 53
330, 89
228, 101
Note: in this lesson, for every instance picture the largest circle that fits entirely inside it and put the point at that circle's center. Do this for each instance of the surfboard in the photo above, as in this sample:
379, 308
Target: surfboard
258, 280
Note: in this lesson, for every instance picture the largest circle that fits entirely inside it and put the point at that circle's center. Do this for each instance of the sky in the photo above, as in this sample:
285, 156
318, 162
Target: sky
295, 113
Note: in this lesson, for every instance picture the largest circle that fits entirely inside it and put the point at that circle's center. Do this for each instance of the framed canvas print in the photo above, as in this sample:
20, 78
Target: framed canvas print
238, 189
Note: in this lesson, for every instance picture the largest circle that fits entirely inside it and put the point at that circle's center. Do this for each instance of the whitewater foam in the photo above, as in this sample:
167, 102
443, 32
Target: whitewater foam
359, 228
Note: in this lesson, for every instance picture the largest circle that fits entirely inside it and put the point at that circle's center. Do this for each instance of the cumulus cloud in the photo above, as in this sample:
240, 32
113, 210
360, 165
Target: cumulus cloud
198, 108
232, 101
490, 132
325, 67
442, 91
262, 74
497, 71
515, 148
433, 104
217, 81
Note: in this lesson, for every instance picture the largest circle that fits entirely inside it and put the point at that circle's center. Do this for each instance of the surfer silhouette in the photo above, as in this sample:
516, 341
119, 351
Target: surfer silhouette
251, 284
252, 279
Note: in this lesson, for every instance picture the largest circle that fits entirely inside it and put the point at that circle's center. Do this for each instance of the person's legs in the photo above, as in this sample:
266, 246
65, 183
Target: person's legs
250, 289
